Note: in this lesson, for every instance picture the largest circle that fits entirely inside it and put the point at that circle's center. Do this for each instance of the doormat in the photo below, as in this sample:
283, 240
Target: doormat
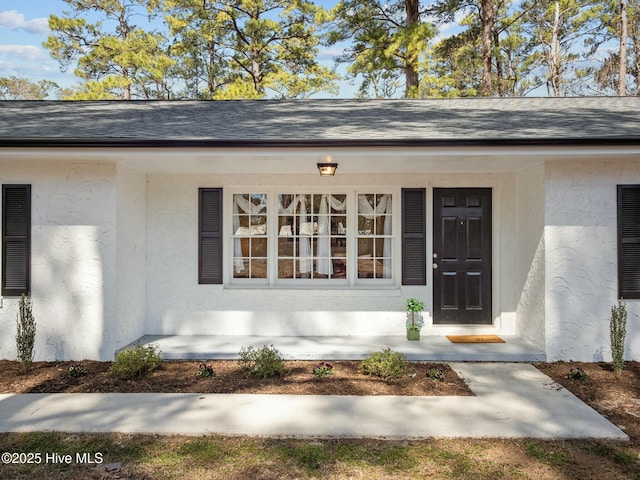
475, 339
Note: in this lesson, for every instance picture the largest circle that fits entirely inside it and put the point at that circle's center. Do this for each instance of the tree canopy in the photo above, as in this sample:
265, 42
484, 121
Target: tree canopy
223, 49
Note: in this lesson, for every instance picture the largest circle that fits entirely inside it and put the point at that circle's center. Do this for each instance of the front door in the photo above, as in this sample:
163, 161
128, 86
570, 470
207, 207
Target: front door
462, 256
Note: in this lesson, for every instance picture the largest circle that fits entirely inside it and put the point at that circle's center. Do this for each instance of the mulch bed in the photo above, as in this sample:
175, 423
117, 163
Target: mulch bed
617, 397
182, 377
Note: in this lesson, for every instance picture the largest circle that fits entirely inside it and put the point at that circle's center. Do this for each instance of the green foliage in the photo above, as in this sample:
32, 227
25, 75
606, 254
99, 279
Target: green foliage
436, 374
17, 88
232, 50
134, 362
263, 362
577, 373
322, 369
618, 333
205, 370
388, 44
75, 371
124, 62
386, 364
26, 332
414, 305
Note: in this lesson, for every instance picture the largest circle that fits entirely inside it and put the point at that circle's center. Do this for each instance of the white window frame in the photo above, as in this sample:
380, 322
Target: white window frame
272, 280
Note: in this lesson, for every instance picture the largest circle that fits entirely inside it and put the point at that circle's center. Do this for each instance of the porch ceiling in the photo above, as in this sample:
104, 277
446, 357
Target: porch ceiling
352, 161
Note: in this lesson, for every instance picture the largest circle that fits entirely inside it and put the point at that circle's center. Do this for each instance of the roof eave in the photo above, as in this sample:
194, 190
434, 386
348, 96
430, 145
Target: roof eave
29, 142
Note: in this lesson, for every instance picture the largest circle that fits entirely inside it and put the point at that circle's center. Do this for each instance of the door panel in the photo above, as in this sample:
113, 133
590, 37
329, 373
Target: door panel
462, 256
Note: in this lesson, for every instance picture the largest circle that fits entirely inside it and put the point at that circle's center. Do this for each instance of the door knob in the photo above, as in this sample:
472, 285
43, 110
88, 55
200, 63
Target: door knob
435, 265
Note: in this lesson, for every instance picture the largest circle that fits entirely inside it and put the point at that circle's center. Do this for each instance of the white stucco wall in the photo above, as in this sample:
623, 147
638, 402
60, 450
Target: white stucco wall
73, 259
581, 259
130, 280
176, 304
530, 281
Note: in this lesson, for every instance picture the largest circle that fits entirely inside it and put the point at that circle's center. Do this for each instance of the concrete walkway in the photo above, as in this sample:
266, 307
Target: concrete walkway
512, 400
434, 348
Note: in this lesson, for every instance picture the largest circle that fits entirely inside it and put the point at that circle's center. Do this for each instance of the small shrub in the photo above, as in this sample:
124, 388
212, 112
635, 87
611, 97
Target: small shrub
263, 362
436, 374
618, 330
322, 370
76, 371
205, 370
134, 362
385, 364
26, 333
577, 373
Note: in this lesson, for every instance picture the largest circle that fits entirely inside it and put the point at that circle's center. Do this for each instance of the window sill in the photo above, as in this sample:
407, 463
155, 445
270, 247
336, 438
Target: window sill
316, 290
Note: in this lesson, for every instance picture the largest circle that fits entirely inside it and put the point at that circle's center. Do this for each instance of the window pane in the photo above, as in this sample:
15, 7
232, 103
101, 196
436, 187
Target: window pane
374, 235
312, 232
259, 268
250, 230
285, 268
365, 268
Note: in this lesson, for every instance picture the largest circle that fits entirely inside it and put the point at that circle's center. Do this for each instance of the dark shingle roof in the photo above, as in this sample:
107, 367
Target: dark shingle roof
457, 120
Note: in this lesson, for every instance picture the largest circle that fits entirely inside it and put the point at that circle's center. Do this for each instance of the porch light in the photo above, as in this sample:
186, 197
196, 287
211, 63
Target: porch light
327, 169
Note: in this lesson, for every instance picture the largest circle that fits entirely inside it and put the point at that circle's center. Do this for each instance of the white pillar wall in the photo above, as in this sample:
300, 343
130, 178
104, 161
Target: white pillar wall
72, 260
581, 259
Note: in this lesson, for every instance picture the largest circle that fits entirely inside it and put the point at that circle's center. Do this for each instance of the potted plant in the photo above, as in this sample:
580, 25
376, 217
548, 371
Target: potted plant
413, 329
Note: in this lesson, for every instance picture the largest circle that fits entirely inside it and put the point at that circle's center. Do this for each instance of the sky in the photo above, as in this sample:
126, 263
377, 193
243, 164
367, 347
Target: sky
23, 29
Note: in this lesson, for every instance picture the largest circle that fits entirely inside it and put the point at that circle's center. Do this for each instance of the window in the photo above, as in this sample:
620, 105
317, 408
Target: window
374, 236
282, 237
16, 239
629, 241
250, 235
312, 240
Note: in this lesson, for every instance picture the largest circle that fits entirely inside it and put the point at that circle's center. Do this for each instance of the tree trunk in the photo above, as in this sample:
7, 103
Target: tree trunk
554, 54
499, 72
487, 29
410, 72
255, 73
622, 76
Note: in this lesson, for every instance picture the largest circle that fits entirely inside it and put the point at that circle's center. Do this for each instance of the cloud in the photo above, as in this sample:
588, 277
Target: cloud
12, 20
30, 53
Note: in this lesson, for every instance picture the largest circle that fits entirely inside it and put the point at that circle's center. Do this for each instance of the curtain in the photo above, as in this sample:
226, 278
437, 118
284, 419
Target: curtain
240, 203
325, 264
366, 210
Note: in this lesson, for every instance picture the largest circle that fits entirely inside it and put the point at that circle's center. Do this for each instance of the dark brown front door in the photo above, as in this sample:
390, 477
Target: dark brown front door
462, 256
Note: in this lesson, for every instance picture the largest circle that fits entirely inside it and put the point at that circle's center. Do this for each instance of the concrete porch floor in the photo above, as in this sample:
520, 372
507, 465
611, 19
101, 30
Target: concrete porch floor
429, 348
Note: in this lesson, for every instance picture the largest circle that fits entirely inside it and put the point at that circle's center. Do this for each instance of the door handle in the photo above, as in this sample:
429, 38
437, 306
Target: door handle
435, 265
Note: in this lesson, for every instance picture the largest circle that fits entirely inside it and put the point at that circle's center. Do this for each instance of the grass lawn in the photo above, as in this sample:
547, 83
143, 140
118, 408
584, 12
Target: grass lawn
175, 457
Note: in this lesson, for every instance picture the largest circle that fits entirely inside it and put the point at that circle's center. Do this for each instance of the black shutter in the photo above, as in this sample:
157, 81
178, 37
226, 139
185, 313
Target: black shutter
414, 247
16, 240
210, 235
629, 241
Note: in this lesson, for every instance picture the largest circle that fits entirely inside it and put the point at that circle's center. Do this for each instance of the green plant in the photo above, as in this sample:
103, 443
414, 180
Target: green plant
385, 364
134, 362
263, 362
414, 306
577, 373
76, 371
322, 370
205, 370
26, 333
436, 374
618, 330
